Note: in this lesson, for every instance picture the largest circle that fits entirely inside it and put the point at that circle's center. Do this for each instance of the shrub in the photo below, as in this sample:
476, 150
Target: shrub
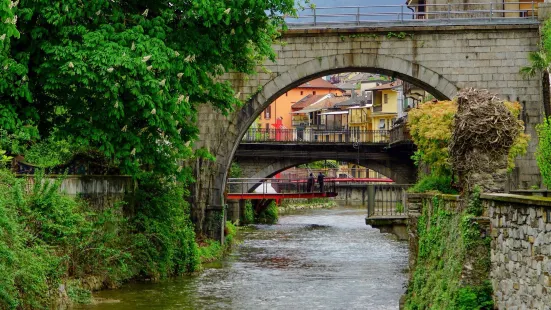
433, 182
543, 154
248, 214
269, 215
164, 238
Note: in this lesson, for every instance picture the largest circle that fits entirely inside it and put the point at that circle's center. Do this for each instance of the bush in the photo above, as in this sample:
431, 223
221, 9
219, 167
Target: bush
46, 237
432, 182
543, 154
248, 214
164, 238
212, 250
269, 215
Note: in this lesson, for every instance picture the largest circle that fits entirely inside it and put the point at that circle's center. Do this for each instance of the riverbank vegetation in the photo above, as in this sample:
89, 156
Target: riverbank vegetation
314, 203
49, 239
269, 215
453, 261
123, 88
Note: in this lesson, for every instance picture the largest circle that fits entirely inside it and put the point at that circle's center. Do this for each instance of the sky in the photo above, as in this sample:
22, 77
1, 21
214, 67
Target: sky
334, 3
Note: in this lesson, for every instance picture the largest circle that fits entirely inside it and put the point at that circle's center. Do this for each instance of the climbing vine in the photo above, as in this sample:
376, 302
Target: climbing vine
543, 154
449, 241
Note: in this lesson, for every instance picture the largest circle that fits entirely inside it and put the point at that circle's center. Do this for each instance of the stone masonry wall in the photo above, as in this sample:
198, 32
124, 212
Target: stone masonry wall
101, 192
521, 250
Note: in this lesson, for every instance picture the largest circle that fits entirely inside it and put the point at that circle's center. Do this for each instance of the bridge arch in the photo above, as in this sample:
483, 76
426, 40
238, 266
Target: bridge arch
254, 168
406, 70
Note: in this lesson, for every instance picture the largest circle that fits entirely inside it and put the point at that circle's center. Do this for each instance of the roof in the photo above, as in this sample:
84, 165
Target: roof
335, 113
307, 101
322, 104
354, 101
318, 83
390, 85
346, 86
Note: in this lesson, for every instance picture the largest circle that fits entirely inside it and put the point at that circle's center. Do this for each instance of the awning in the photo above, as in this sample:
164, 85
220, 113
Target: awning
335, 113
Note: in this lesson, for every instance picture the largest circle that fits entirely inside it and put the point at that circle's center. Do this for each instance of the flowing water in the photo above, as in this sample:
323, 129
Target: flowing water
315, 259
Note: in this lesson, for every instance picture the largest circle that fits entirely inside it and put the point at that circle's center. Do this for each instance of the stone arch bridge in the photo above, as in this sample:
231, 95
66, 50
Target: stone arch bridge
441, 59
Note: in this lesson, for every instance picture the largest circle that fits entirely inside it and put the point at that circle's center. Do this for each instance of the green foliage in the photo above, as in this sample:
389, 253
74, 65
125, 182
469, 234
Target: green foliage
306, 202
248, 214
269, 215
164, 238
475, 298
399, 207
235, 170
431, 129
433, 182
127, 77
447, 241
212, 250
321, 164
540, 60
431, 126
79, 295
46, 236
3, 158
50, 153
543, 154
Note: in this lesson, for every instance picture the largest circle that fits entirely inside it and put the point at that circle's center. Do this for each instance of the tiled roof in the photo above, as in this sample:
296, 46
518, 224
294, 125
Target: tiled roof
306, 101
323, 104
318, 83
387, 85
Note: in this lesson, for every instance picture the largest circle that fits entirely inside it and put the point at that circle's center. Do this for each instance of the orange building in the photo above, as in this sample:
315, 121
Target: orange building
281, 107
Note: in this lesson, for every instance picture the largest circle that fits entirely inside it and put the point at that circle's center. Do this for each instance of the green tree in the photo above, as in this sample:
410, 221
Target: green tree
126, 77
540, 63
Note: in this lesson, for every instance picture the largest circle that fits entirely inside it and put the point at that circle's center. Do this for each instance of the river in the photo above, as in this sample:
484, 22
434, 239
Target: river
313, 259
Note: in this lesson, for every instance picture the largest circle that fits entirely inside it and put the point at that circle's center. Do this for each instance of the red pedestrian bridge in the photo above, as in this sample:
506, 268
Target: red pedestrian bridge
238, 188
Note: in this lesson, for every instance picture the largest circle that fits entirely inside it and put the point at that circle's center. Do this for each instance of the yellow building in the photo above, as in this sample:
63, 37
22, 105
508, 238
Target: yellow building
371, 122
387, 103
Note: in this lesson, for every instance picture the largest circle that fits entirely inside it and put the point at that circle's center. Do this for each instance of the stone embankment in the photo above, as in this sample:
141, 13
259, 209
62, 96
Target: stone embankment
521, 250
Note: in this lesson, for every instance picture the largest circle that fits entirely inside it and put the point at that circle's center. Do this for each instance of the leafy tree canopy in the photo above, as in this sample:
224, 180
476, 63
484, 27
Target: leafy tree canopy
126, 76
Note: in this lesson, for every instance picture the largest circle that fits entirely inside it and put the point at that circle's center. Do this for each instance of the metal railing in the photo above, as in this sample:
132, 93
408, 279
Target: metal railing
399, 134
281, 186
416, 14
387, 200
256, 135
349, 173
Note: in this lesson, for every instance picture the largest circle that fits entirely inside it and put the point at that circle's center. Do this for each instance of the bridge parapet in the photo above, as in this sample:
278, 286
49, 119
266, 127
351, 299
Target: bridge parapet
480, 12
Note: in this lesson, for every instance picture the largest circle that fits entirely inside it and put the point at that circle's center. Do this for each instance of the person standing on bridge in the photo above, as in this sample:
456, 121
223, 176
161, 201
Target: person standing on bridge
310, 183
320, 181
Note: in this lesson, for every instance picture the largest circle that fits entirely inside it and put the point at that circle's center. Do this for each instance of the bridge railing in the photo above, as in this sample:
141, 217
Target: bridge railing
281, 186
422, 13
399, 134
354, 174
256, 135
386, 200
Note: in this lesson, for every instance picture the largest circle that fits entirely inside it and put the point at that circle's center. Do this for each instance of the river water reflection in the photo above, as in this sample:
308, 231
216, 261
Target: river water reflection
315, 259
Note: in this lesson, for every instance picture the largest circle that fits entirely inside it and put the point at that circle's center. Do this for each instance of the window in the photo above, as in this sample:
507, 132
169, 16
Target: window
286, 94
268, 112
314, 92
267, 126
385, 96
301, 93
382, 124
